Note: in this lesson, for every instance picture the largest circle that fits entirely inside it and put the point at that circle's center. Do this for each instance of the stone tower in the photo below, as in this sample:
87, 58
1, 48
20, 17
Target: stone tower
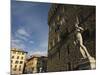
63, 55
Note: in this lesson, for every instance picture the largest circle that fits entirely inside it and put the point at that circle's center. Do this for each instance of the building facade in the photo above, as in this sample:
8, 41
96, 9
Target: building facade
63, 55
36, 64
18, 58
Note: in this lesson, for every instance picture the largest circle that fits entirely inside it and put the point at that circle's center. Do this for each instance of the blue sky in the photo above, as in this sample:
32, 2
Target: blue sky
29, 28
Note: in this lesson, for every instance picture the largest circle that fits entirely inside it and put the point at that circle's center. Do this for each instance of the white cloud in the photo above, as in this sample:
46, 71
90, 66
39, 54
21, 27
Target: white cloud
23, 32
21, 37
41, 53
32, 42
16, 43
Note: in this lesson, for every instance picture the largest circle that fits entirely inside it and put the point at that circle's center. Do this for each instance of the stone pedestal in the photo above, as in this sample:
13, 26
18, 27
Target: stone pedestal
92, 63
86, 64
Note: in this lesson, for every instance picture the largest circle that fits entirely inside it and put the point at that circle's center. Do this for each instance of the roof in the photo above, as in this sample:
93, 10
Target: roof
36, 56
18, 50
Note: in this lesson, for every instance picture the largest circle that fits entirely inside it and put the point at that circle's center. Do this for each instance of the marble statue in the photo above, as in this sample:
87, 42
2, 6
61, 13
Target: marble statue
79, 40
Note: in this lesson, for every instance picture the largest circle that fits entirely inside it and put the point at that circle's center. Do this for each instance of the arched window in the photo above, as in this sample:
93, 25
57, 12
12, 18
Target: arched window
62, 21
86, 35
53, 42
49, 28
58, 38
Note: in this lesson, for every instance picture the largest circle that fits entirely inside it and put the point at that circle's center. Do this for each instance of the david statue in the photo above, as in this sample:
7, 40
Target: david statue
79, 42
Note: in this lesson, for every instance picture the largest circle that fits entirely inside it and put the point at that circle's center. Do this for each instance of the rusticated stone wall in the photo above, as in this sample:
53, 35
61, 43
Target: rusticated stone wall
63, 55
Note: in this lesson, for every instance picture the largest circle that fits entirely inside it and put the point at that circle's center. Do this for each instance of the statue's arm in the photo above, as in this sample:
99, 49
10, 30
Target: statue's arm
81, 28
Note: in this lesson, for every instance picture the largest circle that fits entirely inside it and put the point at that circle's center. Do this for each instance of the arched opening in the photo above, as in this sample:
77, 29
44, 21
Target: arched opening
86, 35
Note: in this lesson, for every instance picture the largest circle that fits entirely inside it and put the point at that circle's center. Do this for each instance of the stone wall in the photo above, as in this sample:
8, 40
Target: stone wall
64, 55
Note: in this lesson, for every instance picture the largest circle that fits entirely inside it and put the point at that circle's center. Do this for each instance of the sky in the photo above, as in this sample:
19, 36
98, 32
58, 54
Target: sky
29, 26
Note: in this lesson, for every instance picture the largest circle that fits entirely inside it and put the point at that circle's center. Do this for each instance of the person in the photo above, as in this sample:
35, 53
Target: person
79, 40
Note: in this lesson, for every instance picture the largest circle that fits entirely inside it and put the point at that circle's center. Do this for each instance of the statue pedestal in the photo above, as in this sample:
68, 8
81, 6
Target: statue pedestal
92, 62
86, 64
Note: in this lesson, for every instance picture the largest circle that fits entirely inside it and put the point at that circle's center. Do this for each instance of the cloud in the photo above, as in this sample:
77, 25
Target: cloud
16, 43
23, 32
21, 37
41, 53
30, 26
32, 42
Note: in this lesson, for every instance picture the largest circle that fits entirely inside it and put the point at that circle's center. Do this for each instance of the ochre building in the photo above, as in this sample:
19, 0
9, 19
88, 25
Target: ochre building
18, 58
36, 64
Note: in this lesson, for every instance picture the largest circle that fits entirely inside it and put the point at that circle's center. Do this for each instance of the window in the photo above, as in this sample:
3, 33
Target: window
20, 68
11, 66
57, 28
21, 62
49, 46
68, 49
17, 57
14, 69
15, 66
19, 53
59, 53
22, 53
86, 34
51, 59
12, 57
62, 21
21, 57
16, 62
32, 68
58, 18
58, 38
54, 24
53, 42
69, 65
49, 28
14, 52
11, 61
63, 9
